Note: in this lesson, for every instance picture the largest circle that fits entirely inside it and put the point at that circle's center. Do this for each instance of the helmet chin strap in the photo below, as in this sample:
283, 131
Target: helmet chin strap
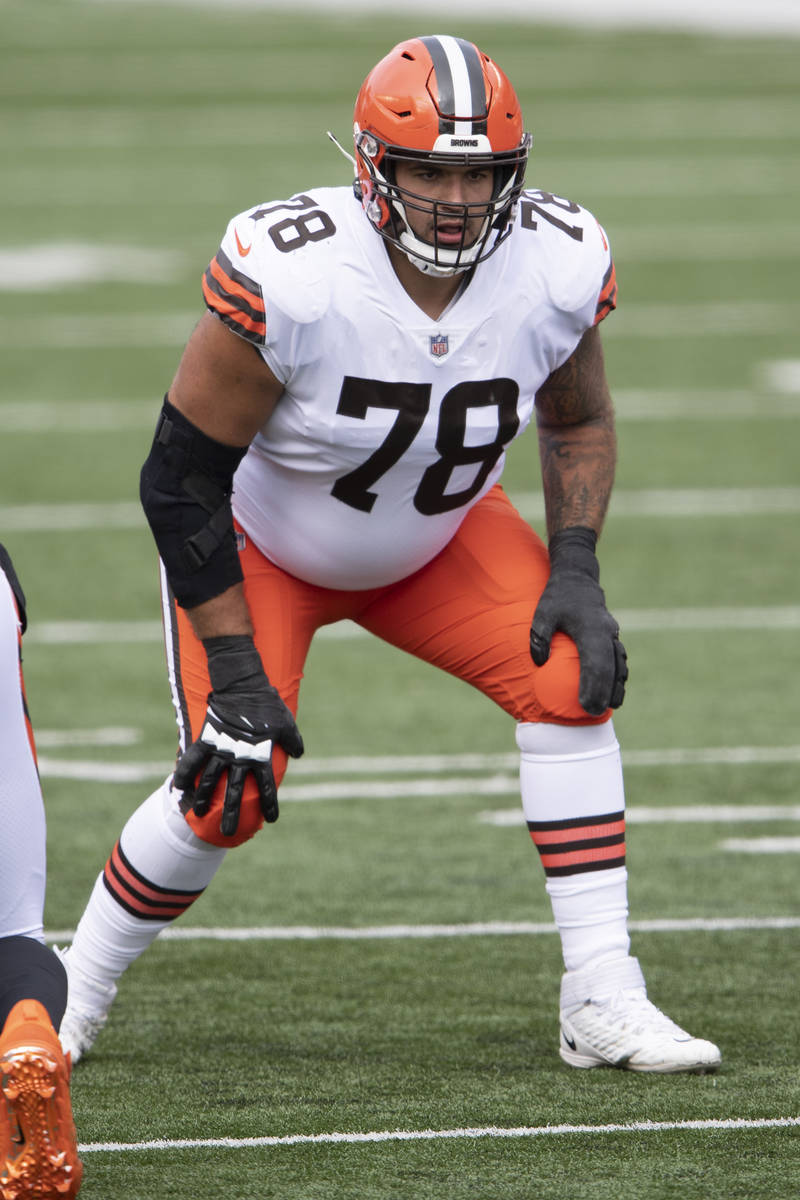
428, 268
415, 251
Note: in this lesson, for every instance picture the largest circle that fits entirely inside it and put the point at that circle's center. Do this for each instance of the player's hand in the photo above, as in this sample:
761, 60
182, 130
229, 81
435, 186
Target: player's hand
245, 718
573, 602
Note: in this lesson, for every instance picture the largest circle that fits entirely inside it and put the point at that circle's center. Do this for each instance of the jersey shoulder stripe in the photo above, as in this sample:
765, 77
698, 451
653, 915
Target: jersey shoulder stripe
607, 300
7, 567
235, 298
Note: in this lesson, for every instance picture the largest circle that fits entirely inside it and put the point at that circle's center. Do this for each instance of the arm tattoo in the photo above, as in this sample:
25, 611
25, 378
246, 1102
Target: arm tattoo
577, 443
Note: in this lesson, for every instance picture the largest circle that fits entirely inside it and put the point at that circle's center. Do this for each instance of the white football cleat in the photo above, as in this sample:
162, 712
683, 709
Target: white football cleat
87, 1010
607, 1021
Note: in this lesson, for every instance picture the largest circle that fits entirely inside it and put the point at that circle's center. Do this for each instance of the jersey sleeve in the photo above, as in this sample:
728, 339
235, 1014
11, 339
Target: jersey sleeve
586, 286
230, 291
607, 300
571, 254
264, 288
7, 567
566, 256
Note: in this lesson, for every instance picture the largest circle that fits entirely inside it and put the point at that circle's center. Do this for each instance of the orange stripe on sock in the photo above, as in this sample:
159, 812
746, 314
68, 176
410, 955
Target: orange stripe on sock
138, 908
591, 854
574, 845
125, 875
577, 833
133, 893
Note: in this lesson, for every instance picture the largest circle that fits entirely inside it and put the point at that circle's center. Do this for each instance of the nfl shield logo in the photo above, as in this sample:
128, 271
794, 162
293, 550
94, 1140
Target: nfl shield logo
439, 346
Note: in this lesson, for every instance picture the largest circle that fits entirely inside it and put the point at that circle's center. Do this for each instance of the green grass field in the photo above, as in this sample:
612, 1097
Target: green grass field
130, 135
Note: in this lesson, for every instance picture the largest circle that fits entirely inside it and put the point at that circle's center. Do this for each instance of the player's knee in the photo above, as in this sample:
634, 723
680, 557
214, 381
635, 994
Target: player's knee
251, 818
555, 686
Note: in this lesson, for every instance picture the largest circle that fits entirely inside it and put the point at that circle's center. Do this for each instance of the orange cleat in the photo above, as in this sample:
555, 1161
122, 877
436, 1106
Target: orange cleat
38, 1146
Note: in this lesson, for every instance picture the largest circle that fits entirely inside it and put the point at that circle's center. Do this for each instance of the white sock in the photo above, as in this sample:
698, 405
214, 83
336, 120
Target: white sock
158, 865
574, 802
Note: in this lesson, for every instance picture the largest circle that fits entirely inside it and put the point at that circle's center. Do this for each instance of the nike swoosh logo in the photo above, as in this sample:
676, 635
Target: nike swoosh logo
242, 250
572, 1045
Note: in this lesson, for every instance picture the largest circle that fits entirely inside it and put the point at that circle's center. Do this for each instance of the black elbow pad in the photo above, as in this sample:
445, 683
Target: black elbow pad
185, 487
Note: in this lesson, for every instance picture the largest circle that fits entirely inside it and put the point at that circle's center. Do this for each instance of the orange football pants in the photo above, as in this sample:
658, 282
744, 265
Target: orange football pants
469, 611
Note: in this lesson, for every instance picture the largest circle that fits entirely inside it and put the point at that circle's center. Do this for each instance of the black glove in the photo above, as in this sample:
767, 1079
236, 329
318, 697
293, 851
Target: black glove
573, 602
245, 717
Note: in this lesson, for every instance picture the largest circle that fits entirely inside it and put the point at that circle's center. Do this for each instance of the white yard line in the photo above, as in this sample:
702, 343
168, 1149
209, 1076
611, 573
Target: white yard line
87, 332
683, 502
496, 784
765, 845
639, 174
92, 633
431, 764
674, 119
47, 265
701, 243
651, 319
71, 516
638, 620
107, 735
350, 933
449, 764
88, 416
681, 814
724, 1124
781, 375
644, 320
51, 267
777, 399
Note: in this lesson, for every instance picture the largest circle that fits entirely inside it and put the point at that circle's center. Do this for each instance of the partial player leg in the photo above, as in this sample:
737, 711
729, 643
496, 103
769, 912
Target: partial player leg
157, 869
38, 1143
469, 612
573, 800
38, 1146
166, 856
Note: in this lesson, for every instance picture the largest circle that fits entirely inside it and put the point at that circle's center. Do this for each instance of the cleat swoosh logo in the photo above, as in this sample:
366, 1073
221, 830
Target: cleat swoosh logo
244, 251
569, 1041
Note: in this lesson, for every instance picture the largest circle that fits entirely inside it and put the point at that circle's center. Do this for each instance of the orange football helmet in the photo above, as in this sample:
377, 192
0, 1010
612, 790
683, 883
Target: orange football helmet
443, 101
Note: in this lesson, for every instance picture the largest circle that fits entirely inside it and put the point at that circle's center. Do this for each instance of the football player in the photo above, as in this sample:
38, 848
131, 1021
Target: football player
331, 447
38, 1149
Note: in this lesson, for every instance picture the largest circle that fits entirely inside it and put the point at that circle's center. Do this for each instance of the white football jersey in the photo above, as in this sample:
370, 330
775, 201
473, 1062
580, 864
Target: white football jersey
392, 425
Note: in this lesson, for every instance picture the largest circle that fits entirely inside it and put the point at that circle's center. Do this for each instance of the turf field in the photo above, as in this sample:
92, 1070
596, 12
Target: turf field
364, 1004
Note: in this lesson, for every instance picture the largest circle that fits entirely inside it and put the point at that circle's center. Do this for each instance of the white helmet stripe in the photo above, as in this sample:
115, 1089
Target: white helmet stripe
459, 81
462, 92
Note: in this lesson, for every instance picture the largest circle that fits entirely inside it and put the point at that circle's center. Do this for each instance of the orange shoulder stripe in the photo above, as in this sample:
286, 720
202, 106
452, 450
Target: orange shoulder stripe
228, 309
232, 288
607, 300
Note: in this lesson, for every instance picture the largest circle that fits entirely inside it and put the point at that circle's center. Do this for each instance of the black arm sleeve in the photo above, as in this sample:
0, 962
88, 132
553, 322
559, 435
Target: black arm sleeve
185, 488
